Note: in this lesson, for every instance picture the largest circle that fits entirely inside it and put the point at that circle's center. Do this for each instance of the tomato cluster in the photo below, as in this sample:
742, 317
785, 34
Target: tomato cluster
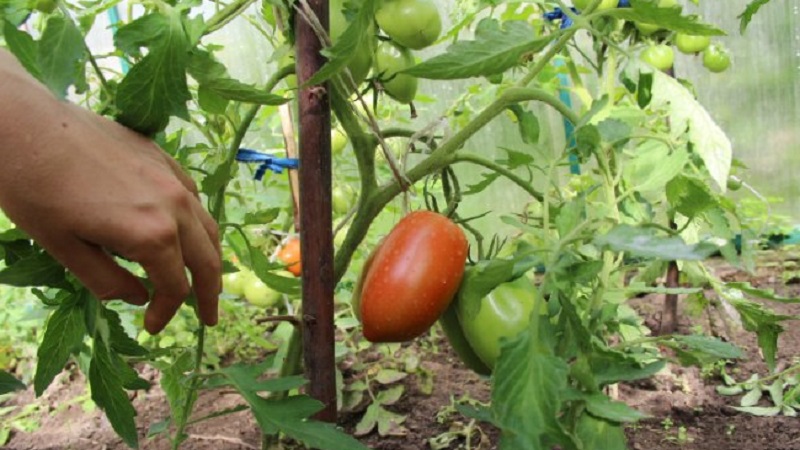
660, 54
245, 283
407, 25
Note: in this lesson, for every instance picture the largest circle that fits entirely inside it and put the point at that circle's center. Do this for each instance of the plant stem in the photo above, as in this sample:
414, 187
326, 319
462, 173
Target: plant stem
489, 164
226, 14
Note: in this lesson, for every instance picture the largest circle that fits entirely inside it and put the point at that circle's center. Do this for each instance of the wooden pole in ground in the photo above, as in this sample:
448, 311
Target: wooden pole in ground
316, 239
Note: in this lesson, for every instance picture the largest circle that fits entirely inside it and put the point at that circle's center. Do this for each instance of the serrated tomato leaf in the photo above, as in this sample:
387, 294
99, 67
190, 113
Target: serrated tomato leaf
108, 393
22, 45
155, 88
289, 415
601, 406
38, 269
528, 387
63, 333
748, 13
645, 243
495, 49
643, 11
61, 52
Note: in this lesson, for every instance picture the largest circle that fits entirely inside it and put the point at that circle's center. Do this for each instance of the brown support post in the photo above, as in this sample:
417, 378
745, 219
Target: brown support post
316, 239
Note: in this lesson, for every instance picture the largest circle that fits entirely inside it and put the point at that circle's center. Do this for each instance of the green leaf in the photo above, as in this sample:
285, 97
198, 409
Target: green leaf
108, 393
690, 196
389, 376
246, 377
644, 90
750, 11
22, 45
528, 124
495, 49
612, 367
39, 269
291, 416
230, 89
653, 166
120, 341
262, 216
602, 407
64, 332
599, 434
142, 32
648, 12
9, 384
761, 411
61, 49
767, 294
357, 34
645, 243
155, 88
685, 112
174, 382
756, 318
528, 385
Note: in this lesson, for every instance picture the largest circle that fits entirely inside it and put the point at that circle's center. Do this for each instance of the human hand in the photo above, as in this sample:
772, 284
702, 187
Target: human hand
83, 186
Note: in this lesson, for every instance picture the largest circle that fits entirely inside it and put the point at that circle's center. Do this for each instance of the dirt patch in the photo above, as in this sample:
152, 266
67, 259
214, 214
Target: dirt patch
686, 411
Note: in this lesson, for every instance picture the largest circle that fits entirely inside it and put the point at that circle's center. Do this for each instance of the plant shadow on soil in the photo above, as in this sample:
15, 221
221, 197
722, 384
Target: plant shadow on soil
686, 412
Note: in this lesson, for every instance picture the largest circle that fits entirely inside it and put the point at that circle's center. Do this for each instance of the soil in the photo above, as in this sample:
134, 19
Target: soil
686, 412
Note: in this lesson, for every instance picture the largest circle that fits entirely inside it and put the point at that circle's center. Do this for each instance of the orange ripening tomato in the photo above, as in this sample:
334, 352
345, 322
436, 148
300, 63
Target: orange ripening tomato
411, 277
289, 254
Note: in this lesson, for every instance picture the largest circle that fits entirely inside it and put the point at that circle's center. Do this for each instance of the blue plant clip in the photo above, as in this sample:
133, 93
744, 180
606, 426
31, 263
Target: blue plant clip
266, 162
558, 14
566, 21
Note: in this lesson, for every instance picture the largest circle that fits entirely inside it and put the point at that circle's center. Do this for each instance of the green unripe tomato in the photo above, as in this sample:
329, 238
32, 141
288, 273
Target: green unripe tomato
689, 44
389, 60
660, 56
504, 313
342, 197
411, 23
716, 58
734, 183
233, 283
258, 294
605, 4
338, 141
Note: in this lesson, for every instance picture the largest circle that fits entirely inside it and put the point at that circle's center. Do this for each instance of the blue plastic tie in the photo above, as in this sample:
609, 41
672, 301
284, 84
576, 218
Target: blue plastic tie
566, 21
266, 162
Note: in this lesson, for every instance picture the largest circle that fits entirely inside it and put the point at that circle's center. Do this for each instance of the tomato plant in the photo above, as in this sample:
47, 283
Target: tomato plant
655, 167
411, 277
414, 24
716, 58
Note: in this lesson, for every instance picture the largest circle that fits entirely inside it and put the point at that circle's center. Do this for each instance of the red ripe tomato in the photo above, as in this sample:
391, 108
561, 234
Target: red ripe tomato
411, 277
289, 254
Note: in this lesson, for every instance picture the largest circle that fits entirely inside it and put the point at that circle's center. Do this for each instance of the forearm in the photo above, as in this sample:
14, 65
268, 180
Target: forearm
26, 106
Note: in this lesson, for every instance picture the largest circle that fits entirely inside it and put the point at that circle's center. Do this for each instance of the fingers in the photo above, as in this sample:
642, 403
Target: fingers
202, 257
163, 261
98, 271
193, 243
